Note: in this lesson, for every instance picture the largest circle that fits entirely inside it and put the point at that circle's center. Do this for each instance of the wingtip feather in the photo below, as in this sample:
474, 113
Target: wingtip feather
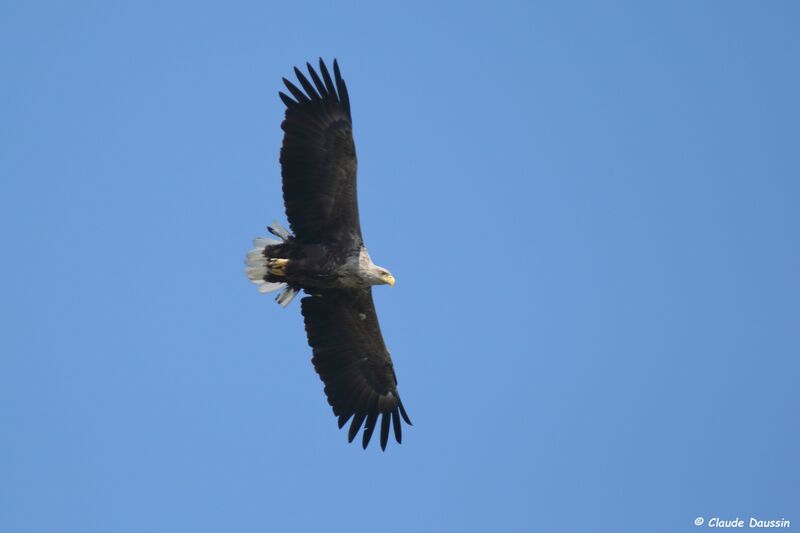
369, 427
398, 427
286, 100
404, 414
343, 419
326, 76
385, 419
355, 425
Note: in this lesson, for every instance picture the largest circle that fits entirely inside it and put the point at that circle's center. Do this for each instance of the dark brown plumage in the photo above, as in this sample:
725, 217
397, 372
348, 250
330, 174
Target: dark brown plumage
353, 362
318, 160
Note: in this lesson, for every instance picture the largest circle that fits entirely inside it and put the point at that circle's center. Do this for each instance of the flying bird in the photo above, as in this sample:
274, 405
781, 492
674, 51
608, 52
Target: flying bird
324, 255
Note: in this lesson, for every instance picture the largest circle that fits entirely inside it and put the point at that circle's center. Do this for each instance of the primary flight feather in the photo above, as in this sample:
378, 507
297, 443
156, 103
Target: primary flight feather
326, 257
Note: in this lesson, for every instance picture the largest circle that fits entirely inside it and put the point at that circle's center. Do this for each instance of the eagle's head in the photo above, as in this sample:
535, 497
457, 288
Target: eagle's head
372, 273
383, 276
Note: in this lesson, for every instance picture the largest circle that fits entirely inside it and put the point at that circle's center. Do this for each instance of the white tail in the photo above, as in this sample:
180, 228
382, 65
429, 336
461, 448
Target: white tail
256, 262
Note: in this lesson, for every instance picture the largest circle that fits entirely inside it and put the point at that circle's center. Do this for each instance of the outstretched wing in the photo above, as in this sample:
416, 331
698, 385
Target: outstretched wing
353, 362
318, 159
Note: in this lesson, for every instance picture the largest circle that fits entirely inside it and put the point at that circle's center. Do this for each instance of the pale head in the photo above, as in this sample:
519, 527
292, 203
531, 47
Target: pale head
380, 276
372, 273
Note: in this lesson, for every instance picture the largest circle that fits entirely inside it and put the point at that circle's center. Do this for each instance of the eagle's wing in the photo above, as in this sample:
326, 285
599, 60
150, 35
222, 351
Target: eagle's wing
318, 159
353, 362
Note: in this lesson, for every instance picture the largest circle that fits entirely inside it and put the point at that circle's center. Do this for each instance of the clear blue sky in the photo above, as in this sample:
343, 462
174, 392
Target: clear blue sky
591, 212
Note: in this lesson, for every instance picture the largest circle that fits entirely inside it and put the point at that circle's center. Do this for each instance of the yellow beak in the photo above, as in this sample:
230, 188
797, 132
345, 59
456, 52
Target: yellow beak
389, 280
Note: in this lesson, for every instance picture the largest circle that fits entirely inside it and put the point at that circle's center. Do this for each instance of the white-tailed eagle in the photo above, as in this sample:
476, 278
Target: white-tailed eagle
325, 256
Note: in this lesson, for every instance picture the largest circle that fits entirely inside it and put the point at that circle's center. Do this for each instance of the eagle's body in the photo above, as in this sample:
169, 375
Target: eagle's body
327, 259
325, 266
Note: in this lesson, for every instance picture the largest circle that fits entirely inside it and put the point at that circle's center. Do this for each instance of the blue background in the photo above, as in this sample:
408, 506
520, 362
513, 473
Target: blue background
591, 211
